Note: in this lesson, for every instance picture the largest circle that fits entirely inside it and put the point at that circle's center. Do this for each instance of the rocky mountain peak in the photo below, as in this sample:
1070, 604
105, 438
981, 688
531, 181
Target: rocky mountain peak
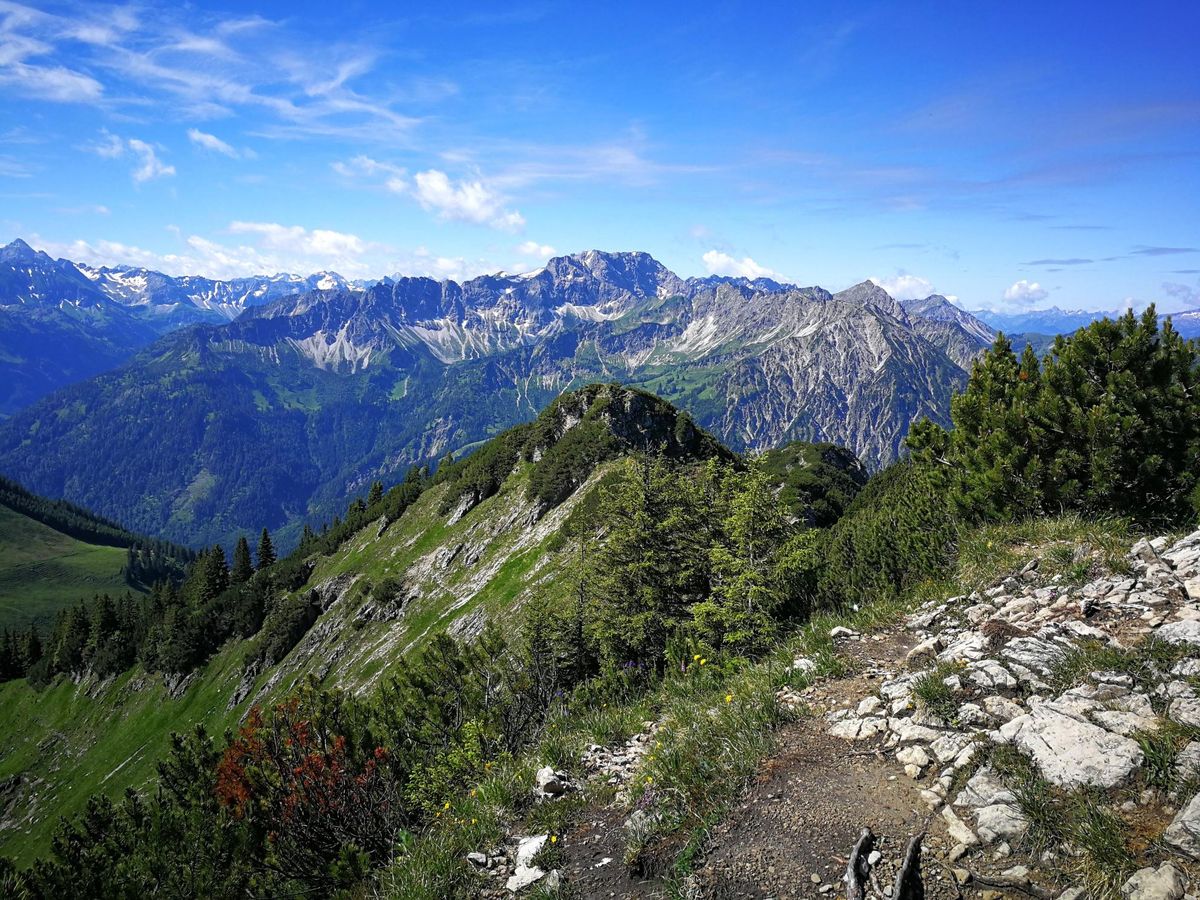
20, 252
869, 294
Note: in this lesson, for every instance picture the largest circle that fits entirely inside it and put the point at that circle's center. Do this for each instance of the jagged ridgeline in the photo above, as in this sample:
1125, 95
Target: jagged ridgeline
281, 415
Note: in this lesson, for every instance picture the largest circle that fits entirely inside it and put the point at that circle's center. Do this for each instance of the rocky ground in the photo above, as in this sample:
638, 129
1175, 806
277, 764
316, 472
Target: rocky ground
1077, 680
970, 725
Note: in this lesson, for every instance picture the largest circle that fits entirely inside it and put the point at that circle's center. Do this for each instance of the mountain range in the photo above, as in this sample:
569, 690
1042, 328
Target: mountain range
62, 321
280, 415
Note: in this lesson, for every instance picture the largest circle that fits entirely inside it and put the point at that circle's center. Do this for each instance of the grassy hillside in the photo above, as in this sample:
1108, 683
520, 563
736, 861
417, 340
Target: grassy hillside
43, 570
58, 746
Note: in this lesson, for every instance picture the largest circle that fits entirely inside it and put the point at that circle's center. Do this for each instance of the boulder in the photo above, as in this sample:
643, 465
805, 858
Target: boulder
1183, 834
1186, 711
913, 756
551, 783
1002, 709
1033, 653
853, 729
990, 675
1187, 763
1163, 883
869, 706
1184, 632
984, 789
1071, 752
948, 746
1000, 822
959, 832
525, 873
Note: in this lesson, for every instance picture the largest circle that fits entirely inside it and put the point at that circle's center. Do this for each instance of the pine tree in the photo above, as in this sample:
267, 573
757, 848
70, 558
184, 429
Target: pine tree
31, 654
652, 565
738, 615
243, 566
10, 666
376, 494
100, 655
266, 550
1107, 423
213, 576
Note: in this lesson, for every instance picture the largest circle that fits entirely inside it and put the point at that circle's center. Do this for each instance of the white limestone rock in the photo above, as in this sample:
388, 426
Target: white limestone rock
1071, 752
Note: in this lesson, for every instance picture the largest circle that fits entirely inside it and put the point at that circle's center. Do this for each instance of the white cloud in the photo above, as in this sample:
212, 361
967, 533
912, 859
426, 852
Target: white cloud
1025, 292
109, 146
178, 64
1183, 297
534, 249
270, 247
464, 201
905, 286
148, 165
394, 178
719, 263
293, 239
211, 142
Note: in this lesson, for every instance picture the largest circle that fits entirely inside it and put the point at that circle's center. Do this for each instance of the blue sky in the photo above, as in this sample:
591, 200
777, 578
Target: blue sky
1011, 155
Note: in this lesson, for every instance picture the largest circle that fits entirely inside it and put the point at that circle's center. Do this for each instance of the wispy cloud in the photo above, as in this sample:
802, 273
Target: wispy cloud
14, 168
468, 200
1072, 261
391, 177
1184, 296
260, 248
1143, 250
147, 165
214, 144
535, 250
191, 65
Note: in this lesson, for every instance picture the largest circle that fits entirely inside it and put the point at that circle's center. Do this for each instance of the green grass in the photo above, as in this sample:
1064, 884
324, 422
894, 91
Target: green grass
77, 740
1068, 545
1144, 662
931, 690
43, 571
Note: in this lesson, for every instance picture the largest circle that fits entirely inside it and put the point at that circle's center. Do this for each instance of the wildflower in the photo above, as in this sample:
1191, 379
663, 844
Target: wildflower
447, 806
729, 698
474, 821
554, 838
649, 780
703, 661
696, 658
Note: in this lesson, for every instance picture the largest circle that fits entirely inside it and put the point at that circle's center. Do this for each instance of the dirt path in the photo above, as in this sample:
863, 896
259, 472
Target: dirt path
792, 832
789, 835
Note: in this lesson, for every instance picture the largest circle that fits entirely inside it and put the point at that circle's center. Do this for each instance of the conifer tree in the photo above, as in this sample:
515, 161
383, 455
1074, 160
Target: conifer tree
652, 565
738, 615
31, 654
243, 566
266, 550
1108, 422
9, 663
376, 494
